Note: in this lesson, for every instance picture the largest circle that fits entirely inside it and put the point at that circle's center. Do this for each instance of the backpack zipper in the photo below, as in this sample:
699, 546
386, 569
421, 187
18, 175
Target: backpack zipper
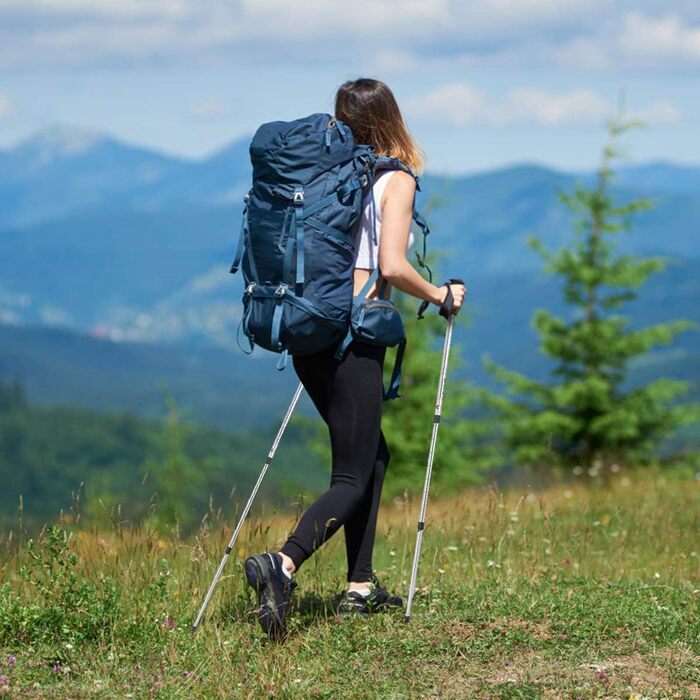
380, 302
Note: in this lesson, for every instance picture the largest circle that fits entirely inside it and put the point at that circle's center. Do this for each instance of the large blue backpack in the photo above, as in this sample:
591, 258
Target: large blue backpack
296, 248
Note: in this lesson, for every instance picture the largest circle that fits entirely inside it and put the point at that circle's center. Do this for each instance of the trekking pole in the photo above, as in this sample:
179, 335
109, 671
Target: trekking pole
249, 504
431, 453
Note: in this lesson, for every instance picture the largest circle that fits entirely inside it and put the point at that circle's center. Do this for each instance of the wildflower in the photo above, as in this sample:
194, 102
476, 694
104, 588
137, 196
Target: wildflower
56, 668
4, 680
68, 646
601, 675
11, 660
169, 622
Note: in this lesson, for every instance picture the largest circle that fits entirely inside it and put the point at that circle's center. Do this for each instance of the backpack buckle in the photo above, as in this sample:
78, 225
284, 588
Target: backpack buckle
281, 290
249, 289
298, 197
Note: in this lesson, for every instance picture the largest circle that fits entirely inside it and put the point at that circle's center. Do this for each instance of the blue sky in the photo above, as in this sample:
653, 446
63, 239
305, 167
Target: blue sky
481, 84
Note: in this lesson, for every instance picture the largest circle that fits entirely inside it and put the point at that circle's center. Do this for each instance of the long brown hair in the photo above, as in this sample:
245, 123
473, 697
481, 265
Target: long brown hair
369, 108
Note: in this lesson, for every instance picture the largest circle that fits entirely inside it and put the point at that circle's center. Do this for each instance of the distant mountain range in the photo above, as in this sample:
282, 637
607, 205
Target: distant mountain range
65, 172
122, 243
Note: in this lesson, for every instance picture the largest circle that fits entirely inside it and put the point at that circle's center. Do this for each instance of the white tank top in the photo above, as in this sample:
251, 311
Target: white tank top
366, 251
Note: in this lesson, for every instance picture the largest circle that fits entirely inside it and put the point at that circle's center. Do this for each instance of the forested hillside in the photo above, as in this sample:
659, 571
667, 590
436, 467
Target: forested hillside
47, 454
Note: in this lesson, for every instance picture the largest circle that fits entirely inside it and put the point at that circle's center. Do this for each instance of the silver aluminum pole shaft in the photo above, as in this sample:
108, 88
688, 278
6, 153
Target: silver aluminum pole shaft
249, 504
429, 470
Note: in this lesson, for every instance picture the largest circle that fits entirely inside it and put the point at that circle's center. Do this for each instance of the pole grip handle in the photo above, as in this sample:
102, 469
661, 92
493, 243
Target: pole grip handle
448, 303
446, 306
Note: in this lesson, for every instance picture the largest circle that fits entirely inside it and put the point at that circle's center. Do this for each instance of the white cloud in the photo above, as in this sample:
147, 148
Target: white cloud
457, 104
115, 9
635, 40
394, 35
551, 109
209, 109
395, 61
460, 104
661, 38
661, 112
5, 105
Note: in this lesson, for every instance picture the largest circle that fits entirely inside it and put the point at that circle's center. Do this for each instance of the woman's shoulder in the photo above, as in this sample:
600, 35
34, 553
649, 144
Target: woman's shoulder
400, 182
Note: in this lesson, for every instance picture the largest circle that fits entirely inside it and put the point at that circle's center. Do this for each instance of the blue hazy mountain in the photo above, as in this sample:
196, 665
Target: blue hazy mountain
62, 171
96, 233
117, 241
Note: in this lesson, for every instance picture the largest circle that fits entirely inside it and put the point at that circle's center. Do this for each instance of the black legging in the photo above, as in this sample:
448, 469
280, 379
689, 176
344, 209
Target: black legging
348, 395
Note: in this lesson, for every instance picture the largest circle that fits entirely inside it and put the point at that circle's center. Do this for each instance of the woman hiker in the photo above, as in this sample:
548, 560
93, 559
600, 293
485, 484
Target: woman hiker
349, 393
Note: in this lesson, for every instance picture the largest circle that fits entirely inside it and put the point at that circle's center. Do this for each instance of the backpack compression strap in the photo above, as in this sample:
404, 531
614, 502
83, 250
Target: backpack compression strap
299, 234
393, 392
242, 236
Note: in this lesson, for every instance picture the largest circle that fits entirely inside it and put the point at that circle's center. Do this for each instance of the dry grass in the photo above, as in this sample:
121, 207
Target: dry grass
574, 592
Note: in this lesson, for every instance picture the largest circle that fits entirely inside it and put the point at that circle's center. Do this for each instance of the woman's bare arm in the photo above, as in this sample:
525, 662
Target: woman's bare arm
397, 215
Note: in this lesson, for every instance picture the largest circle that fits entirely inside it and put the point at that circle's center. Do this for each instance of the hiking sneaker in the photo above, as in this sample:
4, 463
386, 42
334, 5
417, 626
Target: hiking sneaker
354, 603
274, 588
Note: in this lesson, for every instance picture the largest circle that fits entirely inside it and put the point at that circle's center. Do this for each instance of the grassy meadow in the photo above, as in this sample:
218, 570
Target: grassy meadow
578, 591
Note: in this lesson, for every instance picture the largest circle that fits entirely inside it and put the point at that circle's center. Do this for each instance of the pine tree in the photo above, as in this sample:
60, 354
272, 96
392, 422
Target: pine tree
466, 449
588, 415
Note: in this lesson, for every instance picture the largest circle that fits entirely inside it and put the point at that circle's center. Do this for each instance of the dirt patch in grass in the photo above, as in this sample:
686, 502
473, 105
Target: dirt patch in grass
537, 630
668, 674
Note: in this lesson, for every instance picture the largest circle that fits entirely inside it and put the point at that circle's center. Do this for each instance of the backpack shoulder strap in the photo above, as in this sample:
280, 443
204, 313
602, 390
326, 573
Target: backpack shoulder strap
390, 163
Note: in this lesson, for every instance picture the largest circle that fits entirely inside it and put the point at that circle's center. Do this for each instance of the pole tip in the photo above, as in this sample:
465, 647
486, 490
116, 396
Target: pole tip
406, 619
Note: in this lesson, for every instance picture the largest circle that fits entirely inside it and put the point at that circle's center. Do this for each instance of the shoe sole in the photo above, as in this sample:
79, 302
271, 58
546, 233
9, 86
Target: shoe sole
258, 581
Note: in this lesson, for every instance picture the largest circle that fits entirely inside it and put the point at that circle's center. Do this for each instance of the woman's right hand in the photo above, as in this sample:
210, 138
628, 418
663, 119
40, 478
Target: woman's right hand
459, 291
